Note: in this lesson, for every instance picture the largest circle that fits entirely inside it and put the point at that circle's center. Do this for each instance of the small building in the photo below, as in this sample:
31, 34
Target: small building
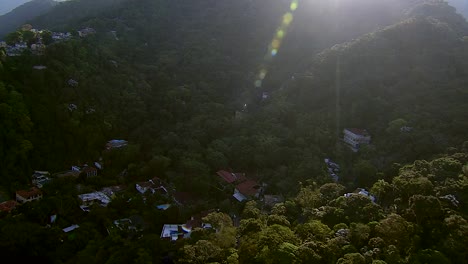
40, 178
154, 185
70, 228
39, 67
24, 196
361, 191
88, 199
112, 190
333, 169
228, 178
72, 83
356, 137
116, 143
143, 187
174, 232
72, 107
86, 32
8, 206
89, 171
406, 129
69, 173
196, 221
163, 207
270, 200
247, 190
98, 165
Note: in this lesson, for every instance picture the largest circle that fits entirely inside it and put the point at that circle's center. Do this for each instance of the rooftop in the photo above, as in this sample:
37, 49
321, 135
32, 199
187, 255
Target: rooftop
227, 176
230, 177
358, 131
7, 206
34, 191
173, 232
248, 187
87, 197
70, 228
116, 143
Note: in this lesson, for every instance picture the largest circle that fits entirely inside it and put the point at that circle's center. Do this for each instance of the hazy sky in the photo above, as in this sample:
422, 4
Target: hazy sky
8, 5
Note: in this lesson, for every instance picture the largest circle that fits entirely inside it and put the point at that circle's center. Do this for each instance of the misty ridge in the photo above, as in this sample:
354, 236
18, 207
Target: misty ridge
218, 131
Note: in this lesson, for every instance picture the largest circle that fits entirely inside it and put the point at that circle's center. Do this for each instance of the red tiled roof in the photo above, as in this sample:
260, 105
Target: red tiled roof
227, 176
248, 188
240, 177
230, 177
358, 131
29, 193
7, 206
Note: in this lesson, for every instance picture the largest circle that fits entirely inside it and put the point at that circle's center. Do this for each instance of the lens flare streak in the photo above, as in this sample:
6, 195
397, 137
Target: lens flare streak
275, 44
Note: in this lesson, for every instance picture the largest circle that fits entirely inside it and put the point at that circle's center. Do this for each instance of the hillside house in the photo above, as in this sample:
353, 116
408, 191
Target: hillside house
24, 196
356, 137
89, 171
111, 191
153, 185
88, 199
86, 32
361, 191
40, 178
8, 206
229, 178
39, 67
70, 228
174, 232
116, 143
247, 190
270, 200
72, 83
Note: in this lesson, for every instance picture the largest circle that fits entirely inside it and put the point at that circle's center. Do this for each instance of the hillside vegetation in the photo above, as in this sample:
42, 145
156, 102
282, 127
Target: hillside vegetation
176, 80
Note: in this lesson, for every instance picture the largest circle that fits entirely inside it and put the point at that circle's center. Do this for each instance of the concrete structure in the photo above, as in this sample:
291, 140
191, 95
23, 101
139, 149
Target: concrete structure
355, 138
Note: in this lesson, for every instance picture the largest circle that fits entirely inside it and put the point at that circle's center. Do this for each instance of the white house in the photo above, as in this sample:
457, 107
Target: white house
356, 137
174, 232
88, 199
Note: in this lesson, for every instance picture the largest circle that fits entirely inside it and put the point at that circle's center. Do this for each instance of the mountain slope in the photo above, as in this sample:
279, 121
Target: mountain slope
22, 14
67, 14
415, 70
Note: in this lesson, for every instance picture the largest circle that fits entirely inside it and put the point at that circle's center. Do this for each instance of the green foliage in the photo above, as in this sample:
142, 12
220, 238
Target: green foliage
171, 90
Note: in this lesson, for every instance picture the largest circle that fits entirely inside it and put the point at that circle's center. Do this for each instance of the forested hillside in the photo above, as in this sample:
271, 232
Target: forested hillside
22, 14
178, 81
